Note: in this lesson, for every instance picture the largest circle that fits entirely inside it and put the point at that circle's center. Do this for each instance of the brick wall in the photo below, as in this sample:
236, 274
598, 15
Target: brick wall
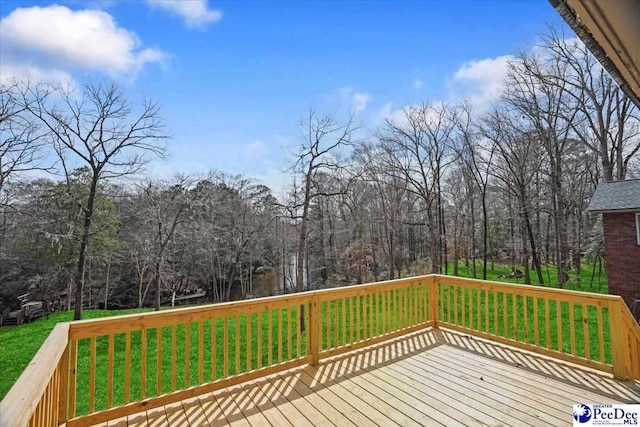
622, 255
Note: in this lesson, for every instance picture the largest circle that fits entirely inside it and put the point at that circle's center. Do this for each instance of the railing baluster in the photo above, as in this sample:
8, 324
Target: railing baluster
110, 371
259, 349
269, 337
357, 299
547, 323
225, 348
143, 363
514, 315
290, 333
559, 324
296, 316
344, 321
336, 330
279, 335
249, 344
463, 301
237, 348
200, 352
495, 313
455, 304
92, 374
174, 356
536, 322
600, 333
187, 354
505, 316
214, 349
63, 392
585, 329
370, 320
486, 309
159, 360
127, 367
525, 309
478, 311
572, 327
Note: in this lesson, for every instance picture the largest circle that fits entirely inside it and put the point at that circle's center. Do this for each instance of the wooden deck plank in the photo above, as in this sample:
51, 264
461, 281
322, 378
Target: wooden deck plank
378, 389
284, 386
250, 411
369, 397
230, 409
137, 420
262, 401
501, 408
196, 416
291, 413
214, 414
157, 418
316, 400
457, 409
499, 382
567, 381
330, 397
538, 392
357, 400
175, 415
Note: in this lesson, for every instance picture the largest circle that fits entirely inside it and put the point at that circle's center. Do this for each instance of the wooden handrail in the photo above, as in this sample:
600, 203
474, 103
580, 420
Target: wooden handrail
41, 385
72, 377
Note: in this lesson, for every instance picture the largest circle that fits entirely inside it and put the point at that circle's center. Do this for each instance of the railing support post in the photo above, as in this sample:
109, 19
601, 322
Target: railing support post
314, 329
433, 299
63, 390
619, 341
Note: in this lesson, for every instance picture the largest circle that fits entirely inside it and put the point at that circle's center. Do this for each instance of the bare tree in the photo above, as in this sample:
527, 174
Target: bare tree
519, 159
168, 202
606, 121
97, 127
478, 159
324, 137
419, 149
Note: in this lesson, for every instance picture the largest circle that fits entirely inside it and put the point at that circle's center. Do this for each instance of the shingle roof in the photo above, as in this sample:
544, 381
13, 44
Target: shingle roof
616, 196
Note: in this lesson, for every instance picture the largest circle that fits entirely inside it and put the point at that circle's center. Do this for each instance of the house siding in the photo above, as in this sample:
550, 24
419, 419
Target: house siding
622, 255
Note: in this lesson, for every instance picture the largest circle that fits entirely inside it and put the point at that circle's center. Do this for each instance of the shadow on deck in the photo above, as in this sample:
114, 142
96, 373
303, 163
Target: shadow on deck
431, 377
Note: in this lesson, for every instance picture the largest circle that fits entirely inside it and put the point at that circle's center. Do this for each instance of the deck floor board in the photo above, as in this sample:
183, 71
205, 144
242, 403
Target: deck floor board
432, 377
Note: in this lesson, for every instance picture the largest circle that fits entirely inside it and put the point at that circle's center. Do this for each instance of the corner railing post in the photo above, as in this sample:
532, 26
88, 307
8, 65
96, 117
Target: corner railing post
433, 299
314, 329
63, 390
619, 340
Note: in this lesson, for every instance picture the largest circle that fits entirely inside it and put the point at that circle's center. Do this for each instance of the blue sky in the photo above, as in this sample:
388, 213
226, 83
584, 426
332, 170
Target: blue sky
234, 78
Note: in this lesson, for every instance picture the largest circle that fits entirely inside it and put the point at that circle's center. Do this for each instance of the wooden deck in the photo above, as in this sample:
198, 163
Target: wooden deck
433, 377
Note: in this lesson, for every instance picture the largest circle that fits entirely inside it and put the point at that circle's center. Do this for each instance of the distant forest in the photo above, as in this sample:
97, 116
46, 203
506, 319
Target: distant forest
437, 186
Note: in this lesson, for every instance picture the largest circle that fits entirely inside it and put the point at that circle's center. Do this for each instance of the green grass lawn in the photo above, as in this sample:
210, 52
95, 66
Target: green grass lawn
549, 273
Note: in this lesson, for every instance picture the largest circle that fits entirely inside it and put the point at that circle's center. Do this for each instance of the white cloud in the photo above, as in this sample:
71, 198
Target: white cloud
195, 13
56, 40
417, 84
480, 81
360, 101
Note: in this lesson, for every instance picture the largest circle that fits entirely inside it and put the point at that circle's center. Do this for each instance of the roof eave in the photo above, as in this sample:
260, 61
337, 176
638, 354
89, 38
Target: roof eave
598, 51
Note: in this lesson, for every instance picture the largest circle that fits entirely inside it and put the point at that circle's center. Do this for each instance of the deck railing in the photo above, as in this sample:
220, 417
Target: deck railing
96, 370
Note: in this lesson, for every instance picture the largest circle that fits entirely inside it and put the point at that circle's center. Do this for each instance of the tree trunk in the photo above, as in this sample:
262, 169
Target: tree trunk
84, 245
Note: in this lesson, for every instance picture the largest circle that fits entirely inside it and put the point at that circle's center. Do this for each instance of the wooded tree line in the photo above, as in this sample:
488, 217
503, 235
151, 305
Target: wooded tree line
437, 185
